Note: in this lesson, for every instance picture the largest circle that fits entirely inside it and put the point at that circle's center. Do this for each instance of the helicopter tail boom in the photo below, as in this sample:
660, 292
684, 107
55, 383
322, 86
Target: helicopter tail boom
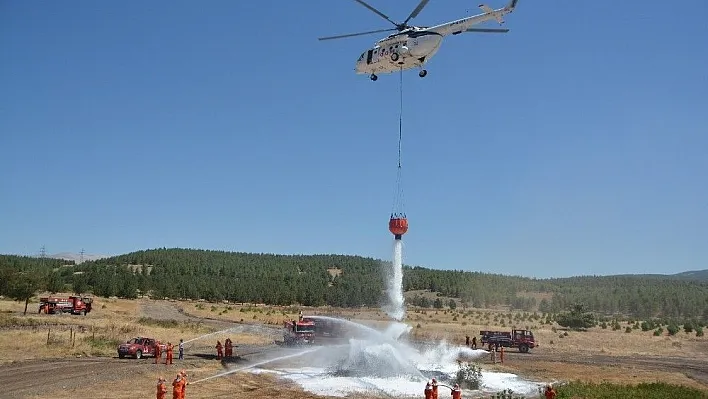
462, 25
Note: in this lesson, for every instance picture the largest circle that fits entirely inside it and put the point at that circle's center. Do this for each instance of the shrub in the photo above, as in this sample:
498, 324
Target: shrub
688, 327
469, 376
672, 329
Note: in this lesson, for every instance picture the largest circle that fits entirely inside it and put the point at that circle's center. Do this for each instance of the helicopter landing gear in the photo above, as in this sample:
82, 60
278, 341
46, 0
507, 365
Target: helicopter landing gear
422, 73
373, 77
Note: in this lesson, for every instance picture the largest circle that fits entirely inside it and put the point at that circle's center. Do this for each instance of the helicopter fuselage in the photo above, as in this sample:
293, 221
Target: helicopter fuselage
399, 52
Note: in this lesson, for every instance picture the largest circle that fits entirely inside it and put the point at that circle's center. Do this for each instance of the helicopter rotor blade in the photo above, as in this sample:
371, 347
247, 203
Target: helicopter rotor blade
379, 13
487, 30
356, 34
416, 11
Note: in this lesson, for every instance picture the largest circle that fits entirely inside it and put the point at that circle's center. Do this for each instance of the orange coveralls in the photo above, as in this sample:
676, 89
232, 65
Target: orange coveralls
228, 348
177, 389
456, 393
219, 350
428, 391
161, 390
168, 357
435, 390
184, 387
158, 352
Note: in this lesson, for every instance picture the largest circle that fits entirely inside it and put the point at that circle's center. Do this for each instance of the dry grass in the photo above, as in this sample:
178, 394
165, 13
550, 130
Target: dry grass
117, 320
550, 371
454, 325
441, 325
111, 321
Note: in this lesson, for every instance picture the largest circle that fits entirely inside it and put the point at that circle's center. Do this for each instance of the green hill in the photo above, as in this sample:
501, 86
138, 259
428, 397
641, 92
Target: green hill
693, 275
347, 281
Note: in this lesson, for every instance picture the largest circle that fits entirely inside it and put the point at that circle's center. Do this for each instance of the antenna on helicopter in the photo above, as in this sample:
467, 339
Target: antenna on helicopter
399, 26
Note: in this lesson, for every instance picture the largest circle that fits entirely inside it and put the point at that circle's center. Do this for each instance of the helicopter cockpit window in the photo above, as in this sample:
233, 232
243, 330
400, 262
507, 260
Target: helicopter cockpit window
362, 56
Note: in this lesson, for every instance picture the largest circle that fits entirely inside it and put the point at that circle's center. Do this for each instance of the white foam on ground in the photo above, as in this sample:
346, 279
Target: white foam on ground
386, 369
319, 382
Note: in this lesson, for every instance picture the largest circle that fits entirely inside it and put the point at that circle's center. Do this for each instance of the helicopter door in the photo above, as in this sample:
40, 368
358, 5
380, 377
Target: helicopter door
369, 54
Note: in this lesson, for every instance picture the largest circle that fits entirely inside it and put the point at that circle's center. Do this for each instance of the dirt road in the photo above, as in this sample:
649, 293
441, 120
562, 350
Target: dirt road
41, 378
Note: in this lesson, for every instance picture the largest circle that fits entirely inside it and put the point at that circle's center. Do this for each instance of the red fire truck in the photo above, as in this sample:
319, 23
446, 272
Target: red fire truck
522, 339
299, 332
59, 305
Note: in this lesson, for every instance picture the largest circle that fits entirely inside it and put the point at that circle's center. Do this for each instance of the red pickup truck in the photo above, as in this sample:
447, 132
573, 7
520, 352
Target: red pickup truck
139, 347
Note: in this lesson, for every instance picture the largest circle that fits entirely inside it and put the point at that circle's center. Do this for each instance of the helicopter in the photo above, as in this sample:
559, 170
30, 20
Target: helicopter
413, 46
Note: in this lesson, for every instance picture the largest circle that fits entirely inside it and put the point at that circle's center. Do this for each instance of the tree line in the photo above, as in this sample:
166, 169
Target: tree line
342, 281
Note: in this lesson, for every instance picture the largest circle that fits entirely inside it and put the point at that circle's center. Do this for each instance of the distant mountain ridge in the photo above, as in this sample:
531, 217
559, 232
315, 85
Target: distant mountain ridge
77, 258
353, 281
693, 275
700, 275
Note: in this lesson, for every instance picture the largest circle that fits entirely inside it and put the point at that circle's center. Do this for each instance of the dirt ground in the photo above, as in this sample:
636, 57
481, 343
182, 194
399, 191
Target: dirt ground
110, 377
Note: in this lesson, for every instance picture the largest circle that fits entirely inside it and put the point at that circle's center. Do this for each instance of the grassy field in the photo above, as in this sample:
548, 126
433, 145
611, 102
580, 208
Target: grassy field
453, 326
111, 322
40, 336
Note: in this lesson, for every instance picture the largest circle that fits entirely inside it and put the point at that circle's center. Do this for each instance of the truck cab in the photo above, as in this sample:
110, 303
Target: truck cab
299, 331
138, 347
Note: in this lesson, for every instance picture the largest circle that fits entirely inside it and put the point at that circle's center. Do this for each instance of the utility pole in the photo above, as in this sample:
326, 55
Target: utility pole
42, 255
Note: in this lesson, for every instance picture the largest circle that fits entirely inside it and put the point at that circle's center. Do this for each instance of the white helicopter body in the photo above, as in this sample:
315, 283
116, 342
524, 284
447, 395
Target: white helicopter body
412, 46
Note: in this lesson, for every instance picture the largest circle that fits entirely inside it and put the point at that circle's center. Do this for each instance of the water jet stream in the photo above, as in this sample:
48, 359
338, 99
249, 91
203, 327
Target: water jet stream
396, 307
256, 364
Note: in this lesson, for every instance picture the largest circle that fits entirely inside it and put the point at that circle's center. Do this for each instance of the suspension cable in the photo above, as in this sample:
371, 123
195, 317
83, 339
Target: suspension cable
398, 195
400, 116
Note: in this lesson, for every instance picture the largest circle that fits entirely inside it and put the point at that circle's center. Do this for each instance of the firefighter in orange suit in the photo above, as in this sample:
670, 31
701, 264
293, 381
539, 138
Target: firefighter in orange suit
168, 351
227, 348
435, 389
158, 352
219, 350
183, 373
161, 388
456, 392
428, 390
550, 393
177, 387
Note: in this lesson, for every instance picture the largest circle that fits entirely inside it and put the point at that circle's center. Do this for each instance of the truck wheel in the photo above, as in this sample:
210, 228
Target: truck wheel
138, 354
121, 356
523, 348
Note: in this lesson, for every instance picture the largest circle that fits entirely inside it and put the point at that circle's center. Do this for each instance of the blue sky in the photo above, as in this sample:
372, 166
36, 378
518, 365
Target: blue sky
575, 144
